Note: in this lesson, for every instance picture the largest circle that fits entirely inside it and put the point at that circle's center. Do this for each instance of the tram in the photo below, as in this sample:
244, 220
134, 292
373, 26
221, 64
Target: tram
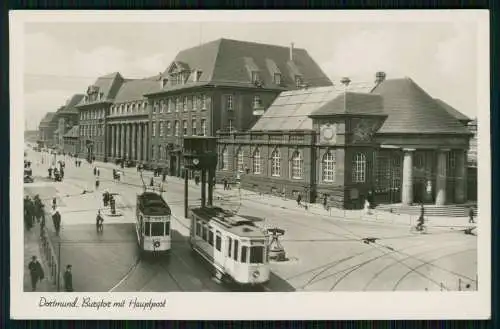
234, 246
153, 222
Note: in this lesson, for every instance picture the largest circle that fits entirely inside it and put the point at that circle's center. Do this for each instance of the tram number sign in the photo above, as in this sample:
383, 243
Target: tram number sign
154, 219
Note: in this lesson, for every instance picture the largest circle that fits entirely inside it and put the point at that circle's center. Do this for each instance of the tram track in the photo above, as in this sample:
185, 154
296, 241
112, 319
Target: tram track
409, 257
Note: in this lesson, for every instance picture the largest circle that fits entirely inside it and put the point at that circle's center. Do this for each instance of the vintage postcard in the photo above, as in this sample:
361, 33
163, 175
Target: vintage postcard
250, 165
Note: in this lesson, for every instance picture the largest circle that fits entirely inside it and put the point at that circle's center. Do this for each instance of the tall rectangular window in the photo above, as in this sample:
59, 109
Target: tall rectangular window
162, 128
153, 130
193, 128
236, 249
195, 102
168, 129
244, 254
184, 103
170, 105
229, 102
203, 102
184, 127
203, 127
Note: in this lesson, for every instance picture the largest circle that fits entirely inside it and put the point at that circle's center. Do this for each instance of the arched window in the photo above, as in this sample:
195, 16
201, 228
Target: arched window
276, 163
256, 161
359, 168
297, 165
241, 162
225, 159
328, 165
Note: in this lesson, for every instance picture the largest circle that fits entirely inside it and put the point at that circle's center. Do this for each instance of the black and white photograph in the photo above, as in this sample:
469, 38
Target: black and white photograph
315, 164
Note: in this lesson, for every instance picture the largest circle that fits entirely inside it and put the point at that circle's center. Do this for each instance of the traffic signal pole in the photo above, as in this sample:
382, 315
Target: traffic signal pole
211, 186
203, 187
185, 192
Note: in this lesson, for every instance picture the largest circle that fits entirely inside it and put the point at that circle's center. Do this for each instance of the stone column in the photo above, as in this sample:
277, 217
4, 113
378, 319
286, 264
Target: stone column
113, 139
441, 175
145, 146
133, 142
461, 176
122, 141
407, 192
139, 142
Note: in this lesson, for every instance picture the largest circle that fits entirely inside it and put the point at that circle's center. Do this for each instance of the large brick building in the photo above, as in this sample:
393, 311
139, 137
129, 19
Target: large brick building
221, 85
93, 111
128, 120
392, 139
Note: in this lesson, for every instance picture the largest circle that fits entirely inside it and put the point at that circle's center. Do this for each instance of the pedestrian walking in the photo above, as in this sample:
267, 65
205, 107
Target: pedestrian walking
36, 272
54, 202
38, 208
367, 207
97, 183
325, 202
105, 198
112, 205
56, 220
471, 215
50, 172
95, 171
164, 176
98, 222
224, 182
98, 172
152, 182
28, 212
299, 199
68, 279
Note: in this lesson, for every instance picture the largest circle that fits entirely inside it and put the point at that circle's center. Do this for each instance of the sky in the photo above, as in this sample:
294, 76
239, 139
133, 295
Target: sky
63, 58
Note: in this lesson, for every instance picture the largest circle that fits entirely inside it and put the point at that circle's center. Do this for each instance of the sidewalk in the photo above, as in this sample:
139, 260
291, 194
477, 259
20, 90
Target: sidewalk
375, 216
32, 248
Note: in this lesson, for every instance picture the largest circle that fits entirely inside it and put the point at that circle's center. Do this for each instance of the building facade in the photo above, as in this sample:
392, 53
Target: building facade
128, 121
221, 85
391, 140
71, 144
67, 117
93, 111
46, 130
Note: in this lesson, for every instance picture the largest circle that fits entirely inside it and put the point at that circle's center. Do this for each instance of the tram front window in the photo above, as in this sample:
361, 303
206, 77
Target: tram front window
157, 229
256, 255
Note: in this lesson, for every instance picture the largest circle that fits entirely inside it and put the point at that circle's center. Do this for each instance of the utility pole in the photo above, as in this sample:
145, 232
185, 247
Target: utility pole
186, 197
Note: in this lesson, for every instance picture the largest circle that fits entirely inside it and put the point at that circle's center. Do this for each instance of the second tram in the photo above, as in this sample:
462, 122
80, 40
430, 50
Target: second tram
234, 246
153, 217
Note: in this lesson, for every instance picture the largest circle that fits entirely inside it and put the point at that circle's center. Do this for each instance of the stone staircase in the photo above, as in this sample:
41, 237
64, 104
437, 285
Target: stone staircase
460, 210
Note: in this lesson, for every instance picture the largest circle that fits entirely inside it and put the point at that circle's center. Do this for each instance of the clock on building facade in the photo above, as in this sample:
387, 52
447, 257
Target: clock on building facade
328, 133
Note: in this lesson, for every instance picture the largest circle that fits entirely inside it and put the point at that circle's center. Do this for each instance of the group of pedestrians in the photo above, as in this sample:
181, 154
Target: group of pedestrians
33, 211
37, 274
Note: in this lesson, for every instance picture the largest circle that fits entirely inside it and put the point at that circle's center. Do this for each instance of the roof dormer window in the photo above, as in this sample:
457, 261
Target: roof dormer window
298, 81
277, 78
164, 82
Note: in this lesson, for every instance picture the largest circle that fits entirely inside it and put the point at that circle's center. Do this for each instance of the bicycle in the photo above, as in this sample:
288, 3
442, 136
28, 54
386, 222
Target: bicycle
422, 229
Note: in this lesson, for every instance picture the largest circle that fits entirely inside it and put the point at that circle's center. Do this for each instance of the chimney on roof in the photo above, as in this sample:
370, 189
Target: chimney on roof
379, 77
291, 51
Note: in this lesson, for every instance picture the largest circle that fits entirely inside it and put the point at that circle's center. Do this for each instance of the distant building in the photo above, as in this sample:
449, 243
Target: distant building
221, 85
391, 139
71, 144
67, 117
46, 130
93, 111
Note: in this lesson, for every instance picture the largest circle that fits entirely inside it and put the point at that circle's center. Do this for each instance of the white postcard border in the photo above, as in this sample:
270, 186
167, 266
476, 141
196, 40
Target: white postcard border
258, 306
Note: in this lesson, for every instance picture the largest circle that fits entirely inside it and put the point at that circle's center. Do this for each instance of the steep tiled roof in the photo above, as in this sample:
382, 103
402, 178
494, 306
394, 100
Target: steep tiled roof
47, 119
352, 103
412, 110
230, 62
73, 132
135, 89
452, 111
109, 85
